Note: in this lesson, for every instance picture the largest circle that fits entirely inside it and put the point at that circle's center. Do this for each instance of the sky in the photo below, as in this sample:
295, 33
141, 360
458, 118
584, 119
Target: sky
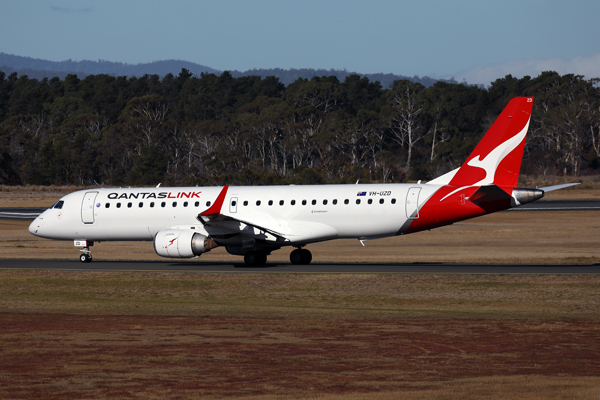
478, 41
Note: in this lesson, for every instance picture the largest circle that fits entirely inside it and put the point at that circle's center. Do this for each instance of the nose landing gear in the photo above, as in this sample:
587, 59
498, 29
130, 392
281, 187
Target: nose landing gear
86, 255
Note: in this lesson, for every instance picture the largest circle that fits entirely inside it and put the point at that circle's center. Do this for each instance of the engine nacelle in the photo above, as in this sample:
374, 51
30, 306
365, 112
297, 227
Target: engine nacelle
182, 243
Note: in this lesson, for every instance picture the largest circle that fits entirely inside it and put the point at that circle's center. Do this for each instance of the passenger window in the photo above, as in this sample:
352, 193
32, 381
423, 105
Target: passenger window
197, 204
245, 202
152, 204
258, 202
370, 201
303, 202
185, 203
280, 202
233, 203
174, 204
293, 202
163, 204
118, 205
357, 201
141, 204
129, 205
393, 201
380, 201
208, 204
314, 202
334, 202
324, 202
107, 205
346, 201
270, 202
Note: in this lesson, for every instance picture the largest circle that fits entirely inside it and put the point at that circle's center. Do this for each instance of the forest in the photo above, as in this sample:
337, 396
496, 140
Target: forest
219, 129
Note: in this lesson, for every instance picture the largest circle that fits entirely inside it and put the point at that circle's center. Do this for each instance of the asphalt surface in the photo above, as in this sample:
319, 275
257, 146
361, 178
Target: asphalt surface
322, 268
20, 213
559, 205
542, 205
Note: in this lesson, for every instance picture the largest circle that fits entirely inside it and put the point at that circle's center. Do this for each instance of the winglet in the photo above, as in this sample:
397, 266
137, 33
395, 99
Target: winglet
215, 209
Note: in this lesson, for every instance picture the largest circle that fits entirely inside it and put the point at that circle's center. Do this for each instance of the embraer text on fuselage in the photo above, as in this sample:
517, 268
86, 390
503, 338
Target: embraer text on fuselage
152, 195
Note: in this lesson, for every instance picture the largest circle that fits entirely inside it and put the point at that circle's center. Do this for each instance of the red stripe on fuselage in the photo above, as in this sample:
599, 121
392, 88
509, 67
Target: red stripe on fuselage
453, 208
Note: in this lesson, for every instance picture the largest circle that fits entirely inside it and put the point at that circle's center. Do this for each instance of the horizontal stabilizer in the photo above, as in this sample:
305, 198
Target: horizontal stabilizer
556, 187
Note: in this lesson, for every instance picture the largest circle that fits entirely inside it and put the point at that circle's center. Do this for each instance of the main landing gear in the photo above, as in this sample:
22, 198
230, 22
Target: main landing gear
258, 258
255, 258
300, 257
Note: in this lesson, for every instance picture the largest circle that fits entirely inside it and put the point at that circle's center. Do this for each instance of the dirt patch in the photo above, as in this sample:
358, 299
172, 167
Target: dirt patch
75, 356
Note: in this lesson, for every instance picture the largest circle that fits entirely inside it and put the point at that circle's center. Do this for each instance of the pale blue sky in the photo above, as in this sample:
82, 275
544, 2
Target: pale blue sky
440, 38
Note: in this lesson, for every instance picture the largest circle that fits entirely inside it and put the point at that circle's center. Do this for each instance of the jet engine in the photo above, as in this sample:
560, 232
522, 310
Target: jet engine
182, 243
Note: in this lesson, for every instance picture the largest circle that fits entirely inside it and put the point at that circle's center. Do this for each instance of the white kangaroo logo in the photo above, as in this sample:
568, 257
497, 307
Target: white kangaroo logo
490, 163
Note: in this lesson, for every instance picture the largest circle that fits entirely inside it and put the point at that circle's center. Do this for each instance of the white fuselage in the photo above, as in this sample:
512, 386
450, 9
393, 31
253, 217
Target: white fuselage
301, 214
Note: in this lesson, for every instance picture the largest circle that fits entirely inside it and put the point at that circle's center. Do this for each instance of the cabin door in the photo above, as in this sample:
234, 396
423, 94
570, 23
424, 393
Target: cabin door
87, 207
412, 203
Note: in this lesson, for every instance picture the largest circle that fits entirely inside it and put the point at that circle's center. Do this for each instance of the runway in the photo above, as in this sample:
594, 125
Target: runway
20, 213
559, 205
542, 205
315, 268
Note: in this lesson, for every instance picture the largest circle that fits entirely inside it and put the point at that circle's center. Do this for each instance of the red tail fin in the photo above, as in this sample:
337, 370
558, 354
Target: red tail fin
497, 158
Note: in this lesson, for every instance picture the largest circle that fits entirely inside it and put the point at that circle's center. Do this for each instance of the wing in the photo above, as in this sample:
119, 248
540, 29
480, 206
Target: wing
213, 216
283, 230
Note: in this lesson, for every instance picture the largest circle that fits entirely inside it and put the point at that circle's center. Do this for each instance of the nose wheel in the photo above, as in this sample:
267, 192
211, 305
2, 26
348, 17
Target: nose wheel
86, 256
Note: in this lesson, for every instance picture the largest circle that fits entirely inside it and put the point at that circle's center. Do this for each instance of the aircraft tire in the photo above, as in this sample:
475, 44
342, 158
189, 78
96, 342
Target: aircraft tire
306, 256
263, 258
85, 258
296, 257
255, 258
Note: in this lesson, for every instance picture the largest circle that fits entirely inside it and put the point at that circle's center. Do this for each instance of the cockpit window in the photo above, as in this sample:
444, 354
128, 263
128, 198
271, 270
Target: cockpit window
58, 205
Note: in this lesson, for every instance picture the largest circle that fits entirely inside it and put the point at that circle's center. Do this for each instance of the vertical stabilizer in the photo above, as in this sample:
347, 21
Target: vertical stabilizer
497, 158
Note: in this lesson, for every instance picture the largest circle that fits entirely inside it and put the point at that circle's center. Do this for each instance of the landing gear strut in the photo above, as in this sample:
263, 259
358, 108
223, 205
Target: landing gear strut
255, 258
301, 256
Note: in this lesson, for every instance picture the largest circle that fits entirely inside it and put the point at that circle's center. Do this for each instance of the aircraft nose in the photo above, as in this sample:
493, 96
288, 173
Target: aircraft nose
35, 226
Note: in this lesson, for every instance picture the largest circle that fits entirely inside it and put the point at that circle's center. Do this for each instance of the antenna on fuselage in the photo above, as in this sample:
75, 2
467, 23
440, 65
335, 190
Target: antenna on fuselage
158, 185
357, 181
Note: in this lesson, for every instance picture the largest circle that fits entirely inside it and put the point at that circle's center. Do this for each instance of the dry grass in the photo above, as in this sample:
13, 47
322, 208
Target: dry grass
570, 237
330, 296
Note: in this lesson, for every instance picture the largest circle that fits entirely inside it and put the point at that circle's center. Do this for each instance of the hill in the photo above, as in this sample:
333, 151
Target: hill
38, 69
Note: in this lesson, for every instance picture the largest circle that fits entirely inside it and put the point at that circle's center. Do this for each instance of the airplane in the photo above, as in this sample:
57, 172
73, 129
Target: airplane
254, 221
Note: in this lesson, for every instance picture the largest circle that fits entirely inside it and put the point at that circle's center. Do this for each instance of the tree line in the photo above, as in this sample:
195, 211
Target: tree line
219, 129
